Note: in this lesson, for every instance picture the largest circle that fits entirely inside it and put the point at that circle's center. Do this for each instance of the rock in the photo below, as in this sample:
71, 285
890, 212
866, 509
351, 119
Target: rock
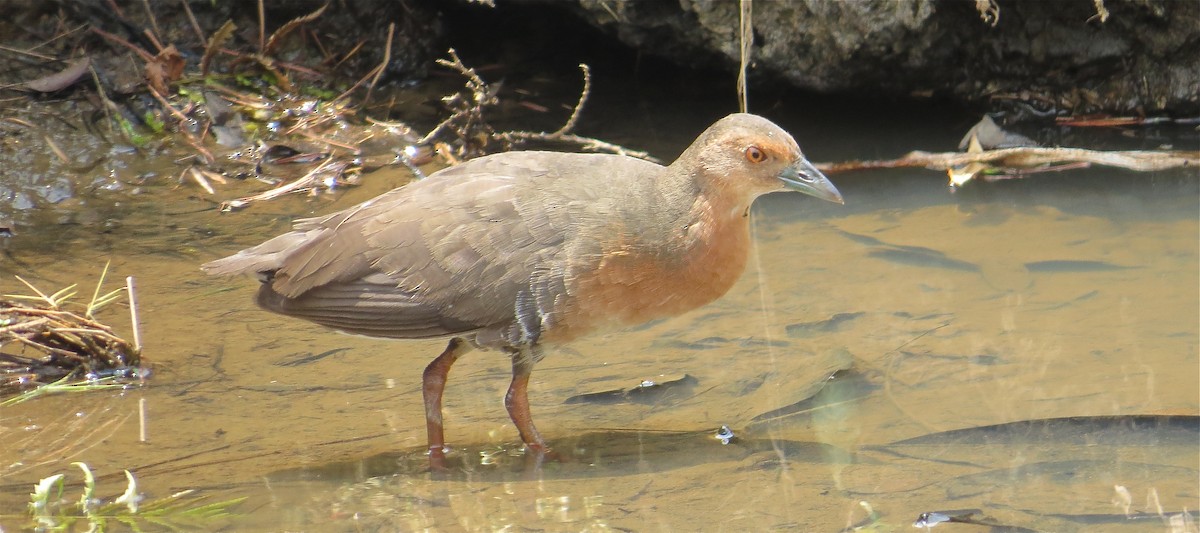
1137, 58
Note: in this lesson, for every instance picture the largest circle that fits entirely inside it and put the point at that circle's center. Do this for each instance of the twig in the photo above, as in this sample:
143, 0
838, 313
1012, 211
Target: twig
57, 151
583, 96
192, 19
585, 143
262, 28
112, 4
59, 36
48, 349
96, 293
153, 21
889, 376
261, 59
466, 118
66, 341
187, 135
458, 65
304, 182
746, 35
91, 332
310, 135
28, 53
135, 48
562, 135
50, 314
108, 106
24, 325
374, 73
167, 105
1029, 156
316, 40
133, 315
353, 51
141, 419
153, 40
48, 299
441, 126
379, 70
269, 64
197, 177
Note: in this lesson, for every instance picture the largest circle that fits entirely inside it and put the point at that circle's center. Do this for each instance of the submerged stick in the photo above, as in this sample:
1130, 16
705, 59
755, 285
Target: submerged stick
133, 315
141, 419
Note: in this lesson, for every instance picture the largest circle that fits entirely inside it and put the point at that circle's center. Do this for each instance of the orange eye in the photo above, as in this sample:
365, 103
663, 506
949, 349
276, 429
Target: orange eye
755, 154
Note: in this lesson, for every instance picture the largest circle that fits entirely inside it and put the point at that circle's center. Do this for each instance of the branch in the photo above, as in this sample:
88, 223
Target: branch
1026, 157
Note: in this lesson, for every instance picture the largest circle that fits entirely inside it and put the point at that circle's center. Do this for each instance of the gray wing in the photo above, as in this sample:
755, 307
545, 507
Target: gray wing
481, 247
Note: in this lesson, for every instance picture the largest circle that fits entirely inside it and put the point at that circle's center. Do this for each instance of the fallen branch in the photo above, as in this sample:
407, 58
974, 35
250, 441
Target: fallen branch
587, 144
1028, 157
327, 172
562, 134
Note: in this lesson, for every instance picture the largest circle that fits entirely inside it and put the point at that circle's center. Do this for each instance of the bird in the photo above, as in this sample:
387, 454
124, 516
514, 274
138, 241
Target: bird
523, 250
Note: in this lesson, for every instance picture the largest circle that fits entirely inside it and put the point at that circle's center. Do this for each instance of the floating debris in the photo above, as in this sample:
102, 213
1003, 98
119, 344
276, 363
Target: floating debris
43, 342
725, 435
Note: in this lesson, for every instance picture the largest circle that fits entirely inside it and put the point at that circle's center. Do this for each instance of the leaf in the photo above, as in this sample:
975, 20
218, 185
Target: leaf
40, 497
164, 68
215, 43
54, 300
960, 175
130, 498
96, 294
61, 79
89, 490
282, 32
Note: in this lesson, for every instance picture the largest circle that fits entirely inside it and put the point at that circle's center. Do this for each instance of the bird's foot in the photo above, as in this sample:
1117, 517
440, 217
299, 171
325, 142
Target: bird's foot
437, 457
538, 453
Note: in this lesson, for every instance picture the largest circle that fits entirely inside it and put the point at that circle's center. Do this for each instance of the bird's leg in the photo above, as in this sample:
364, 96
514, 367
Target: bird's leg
517, 402
432, 384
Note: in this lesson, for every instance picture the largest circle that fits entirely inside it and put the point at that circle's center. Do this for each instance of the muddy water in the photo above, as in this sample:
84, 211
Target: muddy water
1012, 306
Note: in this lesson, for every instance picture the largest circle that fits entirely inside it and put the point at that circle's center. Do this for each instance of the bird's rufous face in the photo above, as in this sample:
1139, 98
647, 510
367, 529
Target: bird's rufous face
771, 161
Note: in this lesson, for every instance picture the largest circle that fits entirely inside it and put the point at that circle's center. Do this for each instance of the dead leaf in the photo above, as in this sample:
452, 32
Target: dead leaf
215, 43
960, 175
991, 136
61, 79
164, 68
282, 32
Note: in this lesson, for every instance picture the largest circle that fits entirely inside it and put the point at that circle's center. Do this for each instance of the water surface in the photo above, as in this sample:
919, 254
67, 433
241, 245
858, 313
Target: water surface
1065, 296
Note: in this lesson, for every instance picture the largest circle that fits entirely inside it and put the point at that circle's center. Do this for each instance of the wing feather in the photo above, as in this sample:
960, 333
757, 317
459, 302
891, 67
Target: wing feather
490, 245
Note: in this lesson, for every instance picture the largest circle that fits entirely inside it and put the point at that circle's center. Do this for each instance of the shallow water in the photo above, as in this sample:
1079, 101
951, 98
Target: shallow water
1063, 295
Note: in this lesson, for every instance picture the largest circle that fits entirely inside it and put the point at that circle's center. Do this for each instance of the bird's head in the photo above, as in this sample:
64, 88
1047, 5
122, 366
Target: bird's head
749, 155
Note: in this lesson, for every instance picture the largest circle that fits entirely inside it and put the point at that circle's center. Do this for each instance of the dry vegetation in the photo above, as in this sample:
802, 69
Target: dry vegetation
49, 338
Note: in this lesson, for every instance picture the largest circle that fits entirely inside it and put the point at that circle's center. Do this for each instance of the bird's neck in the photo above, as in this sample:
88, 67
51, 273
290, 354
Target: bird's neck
719, 226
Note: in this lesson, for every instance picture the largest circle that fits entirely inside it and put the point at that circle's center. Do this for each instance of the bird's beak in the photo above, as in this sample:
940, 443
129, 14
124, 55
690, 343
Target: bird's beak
804, 177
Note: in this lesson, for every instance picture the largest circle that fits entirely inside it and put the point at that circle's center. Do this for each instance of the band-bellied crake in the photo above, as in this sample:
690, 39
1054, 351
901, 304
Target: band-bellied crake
520, 250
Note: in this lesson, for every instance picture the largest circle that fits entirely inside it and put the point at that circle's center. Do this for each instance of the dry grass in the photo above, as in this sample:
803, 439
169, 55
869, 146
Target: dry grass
48, 338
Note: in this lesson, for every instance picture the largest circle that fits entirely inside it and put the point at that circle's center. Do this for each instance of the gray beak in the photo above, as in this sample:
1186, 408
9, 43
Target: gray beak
804, 177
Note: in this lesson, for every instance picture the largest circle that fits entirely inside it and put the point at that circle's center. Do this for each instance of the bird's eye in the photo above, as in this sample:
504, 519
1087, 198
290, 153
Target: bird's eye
755, 154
